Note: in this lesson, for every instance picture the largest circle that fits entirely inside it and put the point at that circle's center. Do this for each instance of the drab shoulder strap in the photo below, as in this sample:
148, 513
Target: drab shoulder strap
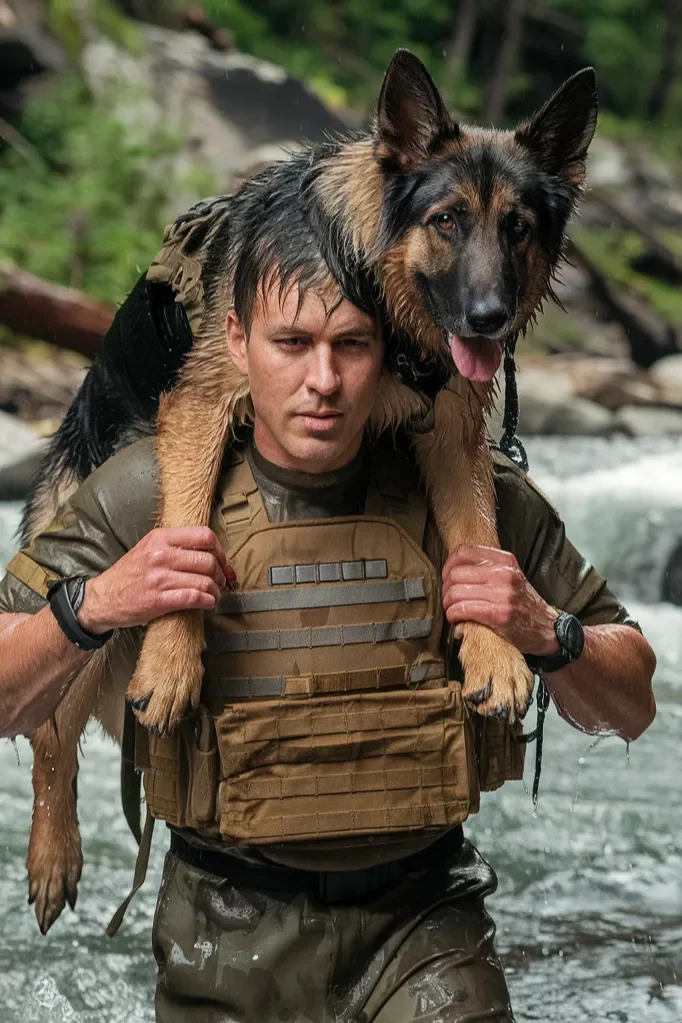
393, 492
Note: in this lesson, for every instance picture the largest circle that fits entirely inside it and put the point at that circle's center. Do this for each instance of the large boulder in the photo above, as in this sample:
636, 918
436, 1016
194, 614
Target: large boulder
667, 372
27, 50
649, 420
233, 110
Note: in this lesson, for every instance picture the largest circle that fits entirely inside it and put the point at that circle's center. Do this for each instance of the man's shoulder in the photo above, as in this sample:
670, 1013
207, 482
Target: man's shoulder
136, 464
123, 491
127, 484
517, 493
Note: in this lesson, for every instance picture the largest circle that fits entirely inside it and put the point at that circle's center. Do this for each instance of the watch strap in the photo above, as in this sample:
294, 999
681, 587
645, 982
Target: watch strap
566, 654
65, 597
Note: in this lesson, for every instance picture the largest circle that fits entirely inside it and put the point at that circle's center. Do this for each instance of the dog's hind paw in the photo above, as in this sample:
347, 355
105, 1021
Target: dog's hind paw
54, 865
497, 680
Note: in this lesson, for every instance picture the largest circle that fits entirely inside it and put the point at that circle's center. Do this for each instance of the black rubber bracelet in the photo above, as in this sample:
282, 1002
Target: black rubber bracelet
64, 608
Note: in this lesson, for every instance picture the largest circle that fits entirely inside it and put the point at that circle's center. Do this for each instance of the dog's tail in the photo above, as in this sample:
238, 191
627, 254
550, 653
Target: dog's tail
117, 403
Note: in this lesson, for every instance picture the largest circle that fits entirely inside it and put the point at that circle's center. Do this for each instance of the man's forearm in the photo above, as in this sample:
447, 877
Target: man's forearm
37, 663
608, 689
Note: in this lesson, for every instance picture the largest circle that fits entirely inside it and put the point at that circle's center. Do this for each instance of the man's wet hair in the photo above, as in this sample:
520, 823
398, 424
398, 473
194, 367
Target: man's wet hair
281, 246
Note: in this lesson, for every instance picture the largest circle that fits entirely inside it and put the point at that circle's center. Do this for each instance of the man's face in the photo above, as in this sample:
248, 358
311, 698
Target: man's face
313, 378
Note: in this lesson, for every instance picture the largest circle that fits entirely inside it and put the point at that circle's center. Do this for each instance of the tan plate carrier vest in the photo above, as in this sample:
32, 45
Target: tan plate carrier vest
326, 711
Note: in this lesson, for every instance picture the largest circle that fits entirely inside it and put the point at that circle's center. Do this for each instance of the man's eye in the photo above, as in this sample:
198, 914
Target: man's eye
290, 342
353, 342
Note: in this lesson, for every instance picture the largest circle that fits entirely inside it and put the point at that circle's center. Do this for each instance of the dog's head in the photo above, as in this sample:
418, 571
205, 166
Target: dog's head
473, 219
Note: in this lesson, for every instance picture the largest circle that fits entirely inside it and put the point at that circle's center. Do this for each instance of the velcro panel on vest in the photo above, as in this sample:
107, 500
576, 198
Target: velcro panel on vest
372, 601
293, 770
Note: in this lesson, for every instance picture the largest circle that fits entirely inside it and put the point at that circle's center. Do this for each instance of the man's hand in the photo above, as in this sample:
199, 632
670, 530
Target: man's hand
485, 585
168, 570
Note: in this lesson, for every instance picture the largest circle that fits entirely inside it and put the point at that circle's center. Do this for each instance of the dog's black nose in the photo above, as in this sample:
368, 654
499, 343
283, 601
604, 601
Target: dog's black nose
488, 317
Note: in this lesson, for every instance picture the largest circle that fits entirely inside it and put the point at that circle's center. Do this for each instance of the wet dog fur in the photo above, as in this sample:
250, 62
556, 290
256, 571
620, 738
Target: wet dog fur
452, 232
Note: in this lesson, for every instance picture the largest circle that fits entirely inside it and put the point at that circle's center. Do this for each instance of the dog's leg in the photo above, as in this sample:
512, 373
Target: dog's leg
55, 859
456, 467
194, 423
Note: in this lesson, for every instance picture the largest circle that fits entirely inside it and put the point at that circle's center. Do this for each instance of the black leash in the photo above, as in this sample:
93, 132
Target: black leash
511, 446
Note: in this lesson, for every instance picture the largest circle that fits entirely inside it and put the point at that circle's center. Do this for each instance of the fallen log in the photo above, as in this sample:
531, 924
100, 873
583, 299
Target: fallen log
50, 312
649, 336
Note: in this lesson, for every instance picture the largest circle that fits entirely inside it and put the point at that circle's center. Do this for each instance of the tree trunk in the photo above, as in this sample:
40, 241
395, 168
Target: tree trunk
506, 61
461, 42
666, 76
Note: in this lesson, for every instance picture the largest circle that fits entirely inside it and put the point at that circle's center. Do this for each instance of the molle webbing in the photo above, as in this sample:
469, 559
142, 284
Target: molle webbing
224, 690
180, 262
323, 635
31, 574
322, 596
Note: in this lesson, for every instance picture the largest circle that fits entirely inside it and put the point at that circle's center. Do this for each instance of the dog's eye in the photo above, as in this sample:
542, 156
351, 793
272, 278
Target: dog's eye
444, 222
519, 228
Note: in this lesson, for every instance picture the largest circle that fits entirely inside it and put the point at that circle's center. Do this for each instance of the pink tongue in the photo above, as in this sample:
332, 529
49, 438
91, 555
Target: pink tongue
476, 358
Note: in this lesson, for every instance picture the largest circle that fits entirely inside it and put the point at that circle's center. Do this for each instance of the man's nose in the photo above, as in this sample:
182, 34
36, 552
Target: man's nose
323, 375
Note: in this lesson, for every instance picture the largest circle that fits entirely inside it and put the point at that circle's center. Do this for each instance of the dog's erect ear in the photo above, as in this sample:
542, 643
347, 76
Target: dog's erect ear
559, 134
411, 115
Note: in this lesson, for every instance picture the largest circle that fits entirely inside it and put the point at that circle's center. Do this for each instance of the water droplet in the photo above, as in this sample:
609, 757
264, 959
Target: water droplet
255, 957
41, 803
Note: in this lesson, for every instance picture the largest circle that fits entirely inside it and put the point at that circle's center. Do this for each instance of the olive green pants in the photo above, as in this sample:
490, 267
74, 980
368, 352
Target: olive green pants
423, 950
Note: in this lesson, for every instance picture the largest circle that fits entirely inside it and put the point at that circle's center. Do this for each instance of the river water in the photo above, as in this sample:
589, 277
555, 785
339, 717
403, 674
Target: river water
589, 907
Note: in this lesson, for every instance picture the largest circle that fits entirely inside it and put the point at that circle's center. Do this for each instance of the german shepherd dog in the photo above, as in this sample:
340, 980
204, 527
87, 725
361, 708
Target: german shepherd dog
457, 232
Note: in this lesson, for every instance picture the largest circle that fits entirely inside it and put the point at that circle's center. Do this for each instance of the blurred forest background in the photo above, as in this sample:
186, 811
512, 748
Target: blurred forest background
115, 115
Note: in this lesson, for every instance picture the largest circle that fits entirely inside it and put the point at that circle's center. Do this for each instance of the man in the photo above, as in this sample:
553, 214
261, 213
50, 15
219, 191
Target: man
384, 927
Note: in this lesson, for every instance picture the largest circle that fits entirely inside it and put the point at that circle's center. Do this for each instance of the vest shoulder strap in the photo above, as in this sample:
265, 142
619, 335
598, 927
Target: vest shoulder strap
239, 502
393, 492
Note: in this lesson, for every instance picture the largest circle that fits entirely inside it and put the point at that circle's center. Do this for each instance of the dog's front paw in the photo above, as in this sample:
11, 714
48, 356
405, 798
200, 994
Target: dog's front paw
497, 680
169, 672
54, 861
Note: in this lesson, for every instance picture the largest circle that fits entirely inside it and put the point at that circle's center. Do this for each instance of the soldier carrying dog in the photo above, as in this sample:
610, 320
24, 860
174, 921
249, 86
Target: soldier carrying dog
318, 870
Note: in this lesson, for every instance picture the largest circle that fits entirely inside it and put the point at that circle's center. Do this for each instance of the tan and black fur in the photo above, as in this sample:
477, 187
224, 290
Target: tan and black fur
445, 228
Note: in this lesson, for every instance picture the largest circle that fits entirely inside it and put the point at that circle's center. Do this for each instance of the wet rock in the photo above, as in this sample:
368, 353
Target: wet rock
668, 371
608, 164
580, 417
649, 420
21, 450
625, 389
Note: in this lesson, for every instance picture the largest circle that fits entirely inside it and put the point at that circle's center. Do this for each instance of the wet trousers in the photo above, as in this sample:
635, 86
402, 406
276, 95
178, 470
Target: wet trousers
420, 951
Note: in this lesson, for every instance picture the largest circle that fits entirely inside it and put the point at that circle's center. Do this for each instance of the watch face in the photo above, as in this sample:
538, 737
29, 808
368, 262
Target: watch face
570, 635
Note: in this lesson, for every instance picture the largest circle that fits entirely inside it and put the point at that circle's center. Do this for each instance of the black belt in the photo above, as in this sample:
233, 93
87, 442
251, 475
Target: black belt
326, 885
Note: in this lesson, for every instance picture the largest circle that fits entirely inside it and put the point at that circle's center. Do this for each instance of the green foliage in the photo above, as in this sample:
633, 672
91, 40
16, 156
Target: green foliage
88, 208
69, 21
613, 251
342, 47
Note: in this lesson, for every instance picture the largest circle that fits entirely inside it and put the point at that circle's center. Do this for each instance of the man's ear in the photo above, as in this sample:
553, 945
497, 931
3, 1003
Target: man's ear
236, 341
411, 115
559, 134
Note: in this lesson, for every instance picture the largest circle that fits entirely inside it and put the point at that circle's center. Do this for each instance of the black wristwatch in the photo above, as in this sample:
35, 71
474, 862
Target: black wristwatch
569, 633
65, 597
